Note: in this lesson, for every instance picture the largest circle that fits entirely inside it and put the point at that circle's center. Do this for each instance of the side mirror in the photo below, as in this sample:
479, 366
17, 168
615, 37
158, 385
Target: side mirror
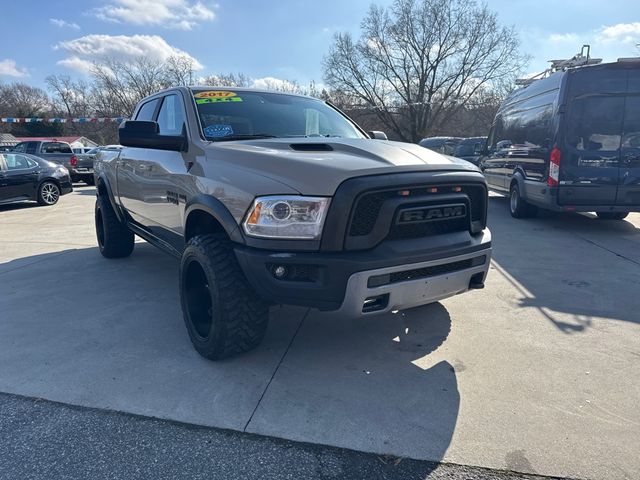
140, 134
377, 135
478, 149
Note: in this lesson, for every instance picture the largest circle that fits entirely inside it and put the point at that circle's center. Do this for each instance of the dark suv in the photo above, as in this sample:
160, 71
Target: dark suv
570, 142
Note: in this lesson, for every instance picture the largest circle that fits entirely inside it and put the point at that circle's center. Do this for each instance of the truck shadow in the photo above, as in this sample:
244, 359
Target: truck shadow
115, 339
575, 264
368, 384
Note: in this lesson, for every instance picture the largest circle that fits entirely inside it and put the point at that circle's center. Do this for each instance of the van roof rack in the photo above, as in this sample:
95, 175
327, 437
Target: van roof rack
578, 60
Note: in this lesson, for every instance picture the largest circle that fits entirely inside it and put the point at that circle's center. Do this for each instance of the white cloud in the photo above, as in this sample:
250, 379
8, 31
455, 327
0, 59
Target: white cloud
78, 64
8, 67
621, 33
272, 83
564, 38
64, 24
91, 48
180, 14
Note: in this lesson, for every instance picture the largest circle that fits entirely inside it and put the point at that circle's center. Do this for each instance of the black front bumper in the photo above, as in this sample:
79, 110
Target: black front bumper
323, 282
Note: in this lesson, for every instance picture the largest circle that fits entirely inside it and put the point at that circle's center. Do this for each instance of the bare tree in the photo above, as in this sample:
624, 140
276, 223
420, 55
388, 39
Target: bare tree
119, 85
239, 80
418, 62
22, 100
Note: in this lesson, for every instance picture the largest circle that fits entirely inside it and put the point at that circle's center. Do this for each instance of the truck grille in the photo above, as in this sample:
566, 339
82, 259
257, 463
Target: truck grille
379, 209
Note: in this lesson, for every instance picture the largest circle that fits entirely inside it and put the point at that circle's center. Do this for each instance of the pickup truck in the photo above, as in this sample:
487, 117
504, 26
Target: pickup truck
270, 198
80, 166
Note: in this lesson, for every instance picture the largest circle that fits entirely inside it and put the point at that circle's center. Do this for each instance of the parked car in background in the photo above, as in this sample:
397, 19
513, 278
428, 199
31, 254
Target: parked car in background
570, 142
58, 152
5, 148
444, 145
27, 177
470, 149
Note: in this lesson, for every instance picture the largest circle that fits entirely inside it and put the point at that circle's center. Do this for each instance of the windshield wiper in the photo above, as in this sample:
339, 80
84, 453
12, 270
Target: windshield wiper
244, 137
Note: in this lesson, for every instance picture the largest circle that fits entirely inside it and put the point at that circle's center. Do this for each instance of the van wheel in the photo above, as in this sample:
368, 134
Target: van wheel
223, 314
518, 207
612, 215
115, 240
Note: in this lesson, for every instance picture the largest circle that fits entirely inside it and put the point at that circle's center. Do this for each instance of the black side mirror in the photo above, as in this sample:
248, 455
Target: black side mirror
141, 134
377, 135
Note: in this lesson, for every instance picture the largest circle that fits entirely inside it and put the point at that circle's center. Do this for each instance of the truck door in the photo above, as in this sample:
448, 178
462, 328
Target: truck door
163, 178
589, 167
128, 168
629, 186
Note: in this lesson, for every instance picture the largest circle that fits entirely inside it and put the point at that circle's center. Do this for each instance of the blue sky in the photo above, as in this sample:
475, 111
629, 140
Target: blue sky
284, 39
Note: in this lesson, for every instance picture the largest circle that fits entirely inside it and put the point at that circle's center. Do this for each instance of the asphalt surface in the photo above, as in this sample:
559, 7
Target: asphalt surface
45, 440
538, 373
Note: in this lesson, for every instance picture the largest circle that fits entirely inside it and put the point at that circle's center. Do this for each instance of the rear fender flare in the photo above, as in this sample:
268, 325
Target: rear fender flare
103, 180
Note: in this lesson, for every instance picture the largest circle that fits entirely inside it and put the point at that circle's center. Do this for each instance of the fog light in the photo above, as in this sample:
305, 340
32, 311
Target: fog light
280, 272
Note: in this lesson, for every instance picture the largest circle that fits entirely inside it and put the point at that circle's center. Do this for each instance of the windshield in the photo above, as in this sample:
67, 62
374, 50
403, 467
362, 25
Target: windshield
237, 115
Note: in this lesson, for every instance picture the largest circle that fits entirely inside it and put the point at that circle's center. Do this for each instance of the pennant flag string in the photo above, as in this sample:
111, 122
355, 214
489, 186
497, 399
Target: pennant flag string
61, 119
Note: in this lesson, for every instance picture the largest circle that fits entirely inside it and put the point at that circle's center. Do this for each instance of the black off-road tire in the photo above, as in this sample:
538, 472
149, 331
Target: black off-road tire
518, 207
223, 314
48, 193
612, 215
115, 240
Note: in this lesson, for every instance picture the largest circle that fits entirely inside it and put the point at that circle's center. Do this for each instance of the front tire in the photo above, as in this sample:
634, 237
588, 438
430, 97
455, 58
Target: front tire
48, 193
222, 313
115, 240
612, 215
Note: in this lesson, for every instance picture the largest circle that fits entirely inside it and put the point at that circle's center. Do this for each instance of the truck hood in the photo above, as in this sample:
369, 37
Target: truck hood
317, 166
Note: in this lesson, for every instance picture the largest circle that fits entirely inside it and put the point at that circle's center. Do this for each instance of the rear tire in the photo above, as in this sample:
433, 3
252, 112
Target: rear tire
115, 240
222, 313
612, 215
518, 207
48, 193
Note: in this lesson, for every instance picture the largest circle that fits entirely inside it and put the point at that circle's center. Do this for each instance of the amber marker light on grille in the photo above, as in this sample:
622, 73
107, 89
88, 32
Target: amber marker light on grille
432, 190
404, 193
457, 189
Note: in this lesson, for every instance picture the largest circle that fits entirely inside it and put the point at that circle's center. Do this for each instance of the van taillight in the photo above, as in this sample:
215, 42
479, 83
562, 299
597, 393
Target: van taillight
554, 167
73, 160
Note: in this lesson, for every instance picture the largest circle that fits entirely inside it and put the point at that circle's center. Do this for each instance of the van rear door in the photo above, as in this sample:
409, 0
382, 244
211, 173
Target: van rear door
589, 169
629, 187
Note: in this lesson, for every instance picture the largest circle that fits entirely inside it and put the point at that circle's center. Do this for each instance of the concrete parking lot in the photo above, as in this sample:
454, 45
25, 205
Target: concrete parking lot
537, 373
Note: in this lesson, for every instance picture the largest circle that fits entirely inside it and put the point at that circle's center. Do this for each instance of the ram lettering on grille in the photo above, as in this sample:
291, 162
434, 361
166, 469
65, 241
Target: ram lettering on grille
428, 214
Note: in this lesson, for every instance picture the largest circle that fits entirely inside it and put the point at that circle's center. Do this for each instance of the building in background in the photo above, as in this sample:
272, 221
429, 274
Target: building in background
7, 140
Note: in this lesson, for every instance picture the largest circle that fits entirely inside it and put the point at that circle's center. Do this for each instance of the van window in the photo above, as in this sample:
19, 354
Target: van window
595, 123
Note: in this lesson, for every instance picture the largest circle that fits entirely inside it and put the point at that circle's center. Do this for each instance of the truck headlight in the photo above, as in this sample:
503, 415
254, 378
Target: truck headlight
286, 217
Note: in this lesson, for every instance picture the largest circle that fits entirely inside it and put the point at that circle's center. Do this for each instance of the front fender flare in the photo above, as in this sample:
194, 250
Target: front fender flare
217, 210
